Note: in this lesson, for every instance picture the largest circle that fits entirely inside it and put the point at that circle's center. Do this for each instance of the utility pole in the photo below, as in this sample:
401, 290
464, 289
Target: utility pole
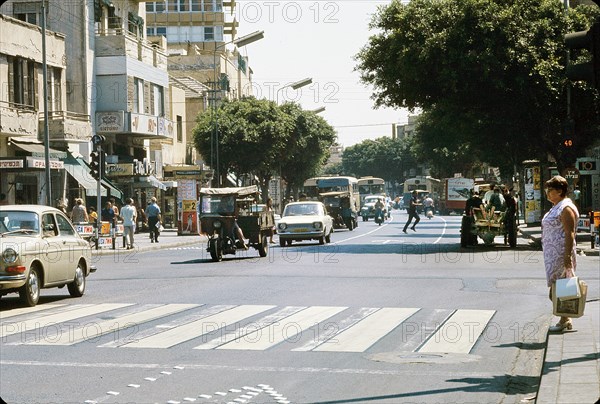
46, 130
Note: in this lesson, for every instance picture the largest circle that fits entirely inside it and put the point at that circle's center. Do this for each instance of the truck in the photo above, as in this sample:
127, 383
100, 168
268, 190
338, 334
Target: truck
456, 191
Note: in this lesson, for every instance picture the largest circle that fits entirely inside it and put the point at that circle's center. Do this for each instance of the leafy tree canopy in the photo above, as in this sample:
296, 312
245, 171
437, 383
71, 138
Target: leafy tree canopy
489, 74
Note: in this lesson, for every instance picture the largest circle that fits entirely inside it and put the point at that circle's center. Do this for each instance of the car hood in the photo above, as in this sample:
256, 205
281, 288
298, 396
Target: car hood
21, 244
301, 219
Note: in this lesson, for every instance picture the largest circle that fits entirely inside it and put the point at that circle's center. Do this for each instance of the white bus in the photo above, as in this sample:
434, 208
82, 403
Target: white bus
424, 185
370, 186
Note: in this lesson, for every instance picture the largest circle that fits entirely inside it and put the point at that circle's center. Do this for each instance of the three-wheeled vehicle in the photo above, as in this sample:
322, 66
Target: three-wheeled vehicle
340, 209
488, 225
225, 211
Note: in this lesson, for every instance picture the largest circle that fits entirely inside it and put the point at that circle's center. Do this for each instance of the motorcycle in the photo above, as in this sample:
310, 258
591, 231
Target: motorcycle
379, 217
429, 212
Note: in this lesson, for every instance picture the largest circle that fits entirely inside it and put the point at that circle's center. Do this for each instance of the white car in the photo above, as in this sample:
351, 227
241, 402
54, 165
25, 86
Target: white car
306, 220
39, 248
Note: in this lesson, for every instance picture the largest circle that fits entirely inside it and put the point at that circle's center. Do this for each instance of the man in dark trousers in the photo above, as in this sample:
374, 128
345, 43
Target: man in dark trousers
412, 212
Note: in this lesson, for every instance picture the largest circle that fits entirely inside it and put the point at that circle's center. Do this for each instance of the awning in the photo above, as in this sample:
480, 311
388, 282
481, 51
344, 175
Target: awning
151, 181
114, 191
79, 170
38, 150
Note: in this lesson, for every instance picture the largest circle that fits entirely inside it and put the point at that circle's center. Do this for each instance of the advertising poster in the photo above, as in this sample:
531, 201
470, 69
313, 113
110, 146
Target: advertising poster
189, 219
533, 194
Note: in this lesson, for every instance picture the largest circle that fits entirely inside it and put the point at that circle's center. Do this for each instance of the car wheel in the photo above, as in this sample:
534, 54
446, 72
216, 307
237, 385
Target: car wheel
289, 242
281, 242
215, 250
77, 287
30, 292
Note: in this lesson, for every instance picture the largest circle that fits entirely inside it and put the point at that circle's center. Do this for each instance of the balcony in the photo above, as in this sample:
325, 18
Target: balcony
120, 42
67, 126
18, 120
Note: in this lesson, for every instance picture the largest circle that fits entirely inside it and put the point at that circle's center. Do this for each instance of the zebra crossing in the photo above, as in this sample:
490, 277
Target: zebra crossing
245, 327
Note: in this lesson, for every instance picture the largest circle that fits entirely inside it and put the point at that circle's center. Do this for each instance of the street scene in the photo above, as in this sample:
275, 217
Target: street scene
276, 202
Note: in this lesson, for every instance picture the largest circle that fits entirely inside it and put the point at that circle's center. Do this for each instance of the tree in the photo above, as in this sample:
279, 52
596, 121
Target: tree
307, 146
384, 157
494, 66
251, 134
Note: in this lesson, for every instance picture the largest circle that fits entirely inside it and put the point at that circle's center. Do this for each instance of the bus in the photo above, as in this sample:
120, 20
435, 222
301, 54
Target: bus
370, 186
318, 185
423, 185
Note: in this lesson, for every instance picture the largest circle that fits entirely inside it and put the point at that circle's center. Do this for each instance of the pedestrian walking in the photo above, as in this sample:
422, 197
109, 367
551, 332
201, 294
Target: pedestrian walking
412, 212
129, 215
153, 215
79, 213
558, 239
108, 214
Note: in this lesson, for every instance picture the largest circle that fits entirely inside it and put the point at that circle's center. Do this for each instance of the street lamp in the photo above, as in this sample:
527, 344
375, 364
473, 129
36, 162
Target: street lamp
296, 85
242, 41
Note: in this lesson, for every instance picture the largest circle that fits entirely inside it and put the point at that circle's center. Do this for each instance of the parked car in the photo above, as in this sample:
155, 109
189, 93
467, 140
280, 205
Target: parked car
40, 249
367, 211
307, 220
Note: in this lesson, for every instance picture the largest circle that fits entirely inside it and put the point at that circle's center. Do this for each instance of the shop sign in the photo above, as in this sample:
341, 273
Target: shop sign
110, 122
38, 163
166, 127
145, 124
85, 229
187, 173
119, 170
587, 166
12, 163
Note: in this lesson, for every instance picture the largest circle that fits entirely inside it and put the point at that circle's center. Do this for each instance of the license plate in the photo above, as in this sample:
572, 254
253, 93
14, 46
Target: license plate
300, 230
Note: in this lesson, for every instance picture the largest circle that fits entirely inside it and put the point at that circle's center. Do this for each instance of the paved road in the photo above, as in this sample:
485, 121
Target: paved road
376, 316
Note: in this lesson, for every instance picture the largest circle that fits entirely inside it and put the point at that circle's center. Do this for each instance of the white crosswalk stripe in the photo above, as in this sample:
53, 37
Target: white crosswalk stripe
247, 327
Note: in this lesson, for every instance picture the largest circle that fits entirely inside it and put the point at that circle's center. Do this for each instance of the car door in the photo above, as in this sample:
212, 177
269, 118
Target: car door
70, 247
51, 251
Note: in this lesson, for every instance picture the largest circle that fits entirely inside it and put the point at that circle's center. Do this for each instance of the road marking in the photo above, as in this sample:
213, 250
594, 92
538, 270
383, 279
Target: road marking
244, 331
459, 333
361, 336
443, 231
167, 339
53, 319
287, 329
27, 310
97, 329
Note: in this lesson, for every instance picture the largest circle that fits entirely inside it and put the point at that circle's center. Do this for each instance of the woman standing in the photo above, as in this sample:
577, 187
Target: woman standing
558, 239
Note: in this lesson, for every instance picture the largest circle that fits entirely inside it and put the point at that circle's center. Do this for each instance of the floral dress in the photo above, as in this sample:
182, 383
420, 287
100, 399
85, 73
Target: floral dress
553, 241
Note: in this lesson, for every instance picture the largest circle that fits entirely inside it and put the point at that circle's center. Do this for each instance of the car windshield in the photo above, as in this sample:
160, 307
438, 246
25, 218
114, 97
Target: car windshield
18, 221
371, 200
303, 210
221, 204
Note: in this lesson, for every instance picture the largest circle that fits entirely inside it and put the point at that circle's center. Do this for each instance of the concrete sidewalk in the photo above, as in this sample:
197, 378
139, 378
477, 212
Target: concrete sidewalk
584, 245
571, 371
167, 239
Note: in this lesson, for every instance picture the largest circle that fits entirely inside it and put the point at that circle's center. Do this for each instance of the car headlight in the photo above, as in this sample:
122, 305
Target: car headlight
9, 255
282, 226
217, 224
317, 225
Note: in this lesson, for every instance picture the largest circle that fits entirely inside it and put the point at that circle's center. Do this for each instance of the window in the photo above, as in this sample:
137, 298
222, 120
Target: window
30, 12
158, 104
155, 6
179, 129
54, 89
209, 33
138, 95
196, 5
64, 226
22, 81
48, 225
178, 5
156, 31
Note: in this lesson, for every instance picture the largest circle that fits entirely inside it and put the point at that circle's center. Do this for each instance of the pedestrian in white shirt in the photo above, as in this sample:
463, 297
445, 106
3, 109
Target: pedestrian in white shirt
129, 215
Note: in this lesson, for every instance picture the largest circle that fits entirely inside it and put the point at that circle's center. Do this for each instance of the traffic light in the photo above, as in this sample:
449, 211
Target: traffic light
585, 71
95, 164
103, 171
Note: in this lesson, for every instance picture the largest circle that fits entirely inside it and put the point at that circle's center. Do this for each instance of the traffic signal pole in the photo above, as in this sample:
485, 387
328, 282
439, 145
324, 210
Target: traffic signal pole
99, 195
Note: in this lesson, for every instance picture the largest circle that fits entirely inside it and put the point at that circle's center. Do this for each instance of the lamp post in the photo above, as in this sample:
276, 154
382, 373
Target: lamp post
242, 41
296, 85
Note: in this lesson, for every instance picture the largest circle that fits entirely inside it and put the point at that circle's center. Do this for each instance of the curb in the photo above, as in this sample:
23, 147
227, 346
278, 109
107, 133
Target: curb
158, 246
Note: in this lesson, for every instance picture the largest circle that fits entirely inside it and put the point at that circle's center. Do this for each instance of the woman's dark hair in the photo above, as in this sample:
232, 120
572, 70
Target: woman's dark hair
559, 183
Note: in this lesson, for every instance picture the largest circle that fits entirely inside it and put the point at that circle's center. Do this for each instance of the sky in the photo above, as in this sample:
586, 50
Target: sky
318, 40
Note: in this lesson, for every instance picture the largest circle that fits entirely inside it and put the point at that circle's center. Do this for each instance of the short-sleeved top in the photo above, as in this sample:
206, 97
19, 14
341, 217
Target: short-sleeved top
78, 214
152, 210
108, 215
128, 213
553, 241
